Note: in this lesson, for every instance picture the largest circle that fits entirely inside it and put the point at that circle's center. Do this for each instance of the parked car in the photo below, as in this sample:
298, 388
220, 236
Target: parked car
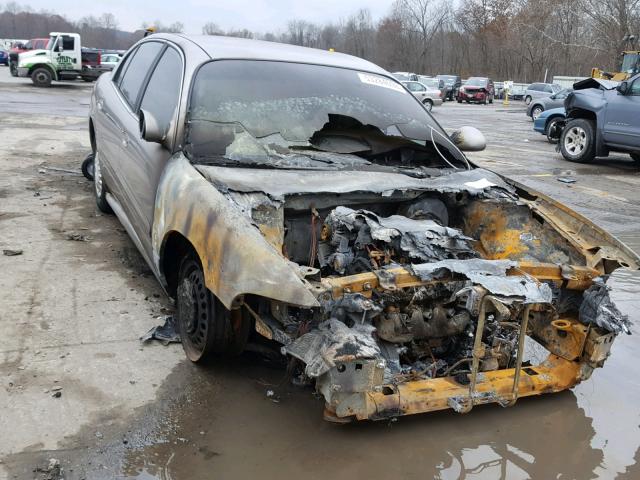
451, 83
305, 198
477, 90
550, 123
108, 61
4, 56
433, 83
540, 90
20, 47
428, 96
536, 107
602, 117
405, 76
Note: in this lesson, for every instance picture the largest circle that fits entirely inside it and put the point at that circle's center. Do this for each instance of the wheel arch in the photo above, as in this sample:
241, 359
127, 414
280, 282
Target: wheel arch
54, 76
175, 247
92, 135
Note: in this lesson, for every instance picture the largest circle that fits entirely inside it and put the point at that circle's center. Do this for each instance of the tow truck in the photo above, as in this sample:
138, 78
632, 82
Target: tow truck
63, 58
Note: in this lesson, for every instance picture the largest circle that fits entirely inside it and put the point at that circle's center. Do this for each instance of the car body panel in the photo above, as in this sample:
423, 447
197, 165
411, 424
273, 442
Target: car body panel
541, 123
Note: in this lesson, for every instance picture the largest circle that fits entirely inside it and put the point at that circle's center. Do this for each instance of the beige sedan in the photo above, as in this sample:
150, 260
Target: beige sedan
427, 95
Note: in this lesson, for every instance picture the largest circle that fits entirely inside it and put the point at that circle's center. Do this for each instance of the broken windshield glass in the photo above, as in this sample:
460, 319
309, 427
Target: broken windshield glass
249, 112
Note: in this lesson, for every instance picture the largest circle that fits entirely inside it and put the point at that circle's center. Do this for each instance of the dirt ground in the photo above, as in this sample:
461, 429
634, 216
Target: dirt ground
71, 313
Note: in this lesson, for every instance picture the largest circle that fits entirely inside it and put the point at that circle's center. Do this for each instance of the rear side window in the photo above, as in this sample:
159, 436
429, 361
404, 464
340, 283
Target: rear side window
137, 70
163, 91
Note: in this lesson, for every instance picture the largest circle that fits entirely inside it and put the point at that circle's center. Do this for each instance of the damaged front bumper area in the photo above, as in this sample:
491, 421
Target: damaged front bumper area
469, 350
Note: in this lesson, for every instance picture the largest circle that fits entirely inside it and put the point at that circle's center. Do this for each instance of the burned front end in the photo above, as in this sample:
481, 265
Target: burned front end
432, 293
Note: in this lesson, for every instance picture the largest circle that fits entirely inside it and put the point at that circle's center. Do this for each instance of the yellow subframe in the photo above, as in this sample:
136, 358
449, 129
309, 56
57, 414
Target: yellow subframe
421, 396
500, 386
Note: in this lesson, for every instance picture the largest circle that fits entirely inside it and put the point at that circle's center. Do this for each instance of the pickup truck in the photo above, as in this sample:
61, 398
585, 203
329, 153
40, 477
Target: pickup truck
602, 117
20, 47
63, 58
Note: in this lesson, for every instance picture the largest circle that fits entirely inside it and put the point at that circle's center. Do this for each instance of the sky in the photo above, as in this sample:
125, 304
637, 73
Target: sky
255, 15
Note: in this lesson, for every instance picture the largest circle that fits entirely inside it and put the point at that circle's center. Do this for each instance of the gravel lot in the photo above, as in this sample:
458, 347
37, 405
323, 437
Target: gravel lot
71, 313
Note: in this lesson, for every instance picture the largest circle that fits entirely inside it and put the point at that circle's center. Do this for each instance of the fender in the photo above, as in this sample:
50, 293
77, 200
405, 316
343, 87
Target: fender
236, 258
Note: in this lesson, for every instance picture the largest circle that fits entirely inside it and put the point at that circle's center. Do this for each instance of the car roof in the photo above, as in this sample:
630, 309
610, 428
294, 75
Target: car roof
220, 48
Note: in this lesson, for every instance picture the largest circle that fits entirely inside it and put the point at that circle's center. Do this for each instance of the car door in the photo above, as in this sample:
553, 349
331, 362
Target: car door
160, 98
622, 116
119, 127
65, 55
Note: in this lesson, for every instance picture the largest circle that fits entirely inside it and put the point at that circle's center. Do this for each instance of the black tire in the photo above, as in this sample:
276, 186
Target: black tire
89, 79
536, 111
578, 141
635, 157
459, 101
87, 166
206, 326
13, 69
551, 130
100, 188
428, 104
527, 100
41, 77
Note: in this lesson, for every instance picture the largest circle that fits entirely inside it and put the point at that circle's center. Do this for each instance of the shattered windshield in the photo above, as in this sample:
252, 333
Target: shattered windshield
275, 113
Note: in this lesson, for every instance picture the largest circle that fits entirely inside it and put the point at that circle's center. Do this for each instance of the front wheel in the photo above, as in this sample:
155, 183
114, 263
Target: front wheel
428, 104
41, 77
577, 142
635, 157
13, 69
553, 131
89, 79
206, 326
536, 111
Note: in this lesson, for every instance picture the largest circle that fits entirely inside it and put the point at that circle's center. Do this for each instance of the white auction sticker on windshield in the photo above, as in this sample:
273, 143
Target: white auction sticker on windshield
380, 82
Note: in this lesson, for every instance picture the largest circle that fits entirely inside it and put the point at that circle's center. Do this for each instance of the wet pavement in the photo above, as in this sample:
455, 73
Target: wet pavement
146, 413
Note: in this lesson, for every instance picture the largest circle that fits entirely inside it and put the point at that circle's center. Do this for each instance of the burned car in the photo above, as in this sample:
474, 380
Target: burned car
307, 198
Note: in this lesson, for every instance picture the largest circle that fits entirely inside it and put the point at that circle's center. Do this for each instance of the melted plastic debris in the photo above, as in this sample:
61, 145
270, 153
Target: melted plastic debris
319, 349
418, 240
166, 333
598, 308
490, 274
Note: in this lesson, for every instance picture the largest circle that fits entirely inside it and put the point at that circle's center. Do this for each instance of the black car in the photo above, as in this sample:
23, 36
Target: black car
452, 85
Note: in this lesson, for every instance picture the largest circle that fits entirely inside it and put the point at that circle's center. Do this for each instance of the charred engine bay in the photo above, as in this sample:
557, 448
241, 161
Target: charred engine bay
403, 278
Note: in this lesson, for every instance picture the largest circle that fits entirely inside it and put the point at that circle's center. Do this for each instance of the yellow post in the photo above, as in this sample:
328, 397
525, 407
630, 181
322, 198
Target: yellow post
505, 101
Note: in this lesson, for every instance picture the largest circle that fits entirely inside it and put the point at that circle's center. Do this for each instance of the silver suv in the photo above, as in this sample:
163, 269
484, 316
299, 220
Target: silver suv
540, 90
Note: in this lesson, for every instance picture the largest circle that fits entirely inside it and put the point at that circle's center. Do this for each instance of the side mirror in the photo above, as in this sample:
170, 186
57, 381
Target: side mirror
149, 129
469, 139
622, 88
59, 47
